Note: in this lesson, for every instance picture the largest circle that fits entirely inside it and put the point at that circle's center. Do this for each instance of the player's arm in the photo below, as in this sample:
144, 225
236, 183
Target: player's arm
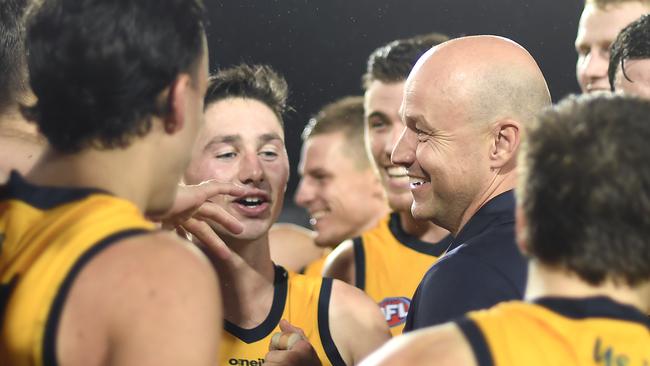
356, 323
340, 263
153, 300
444, 345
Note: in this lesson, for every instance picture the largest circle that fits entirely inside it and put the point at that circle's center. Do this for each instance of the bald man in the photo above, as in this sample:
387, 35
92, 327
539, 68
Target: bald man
465, 106
587, 296
600, 22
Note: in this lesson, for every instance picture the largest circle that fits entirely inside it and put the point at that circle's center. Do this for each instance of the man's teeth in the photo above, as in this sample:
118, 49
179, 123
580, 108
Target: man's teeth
396, 171
252, 200
416, 182
317, 215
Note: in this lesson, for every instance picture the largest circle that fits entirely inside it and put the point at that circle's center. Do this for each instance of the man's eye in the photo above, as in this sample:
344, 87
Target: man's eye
226, 155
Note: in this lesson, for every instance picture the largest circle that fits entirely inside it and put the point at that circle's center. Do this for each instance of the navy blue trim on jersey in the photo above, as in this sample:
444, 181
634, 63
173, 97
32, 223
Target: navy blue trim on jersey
54, 317
593, 307
359, 263
324, 324
408, 240
280, 289
42, 197
476, 340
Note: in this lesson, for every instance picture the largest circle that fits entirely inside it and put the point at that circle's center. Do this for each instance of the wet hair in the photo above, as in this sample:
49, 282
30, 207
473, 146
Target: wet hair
393, 62
13, 69
258, 82
99, 68
632, 43
346, 116
584, 188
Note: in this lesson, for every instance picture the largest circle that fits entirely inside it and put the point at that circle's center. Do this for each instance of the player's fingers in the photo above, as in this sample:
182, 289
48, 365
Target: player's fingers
285, 326
213, 212
211, 243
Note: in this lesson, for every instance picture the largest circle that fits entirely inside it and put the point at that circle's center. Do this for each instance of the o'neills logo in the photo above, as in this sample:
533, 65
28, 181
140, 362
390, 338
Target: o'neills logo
245, 362
395, 310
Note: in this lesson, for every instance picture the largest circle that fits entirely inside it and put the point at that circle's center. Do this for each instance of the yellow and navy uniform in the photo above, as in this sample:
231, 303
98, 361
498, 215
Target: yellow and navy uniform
389, 265
315, 268
47, 235
559, 331
304, 302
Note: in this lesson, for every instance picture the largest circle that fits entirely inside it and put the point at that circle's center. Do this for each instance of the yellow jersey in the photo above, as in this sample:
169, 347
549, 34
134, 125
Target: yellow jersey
389, 265
559, 331
315, 268
304, 302
47, 235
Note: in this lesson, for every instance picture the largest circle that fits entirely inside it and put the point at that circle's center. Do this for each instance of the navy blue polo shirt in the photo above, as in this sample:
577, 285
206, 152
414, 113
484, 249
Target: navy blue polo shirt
482, 267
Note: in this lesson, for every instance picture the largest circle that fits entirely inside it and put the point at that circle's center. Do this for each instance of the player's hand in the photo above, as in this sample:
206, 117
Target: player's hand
291, 347
193, 201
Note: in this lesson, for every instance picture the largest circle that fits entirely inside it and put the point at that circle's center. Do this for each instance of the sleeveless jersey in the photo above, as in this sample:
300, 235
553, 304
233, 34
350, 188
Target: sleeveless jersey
47, 234
559, 331
315, 268
389, 265
304, 302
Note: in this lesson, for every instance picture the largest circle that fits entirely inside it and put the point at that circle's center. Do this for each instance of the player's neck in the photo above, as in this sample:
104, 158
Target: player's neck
12, 122
247, 282
126, 173
544, 281
422, 229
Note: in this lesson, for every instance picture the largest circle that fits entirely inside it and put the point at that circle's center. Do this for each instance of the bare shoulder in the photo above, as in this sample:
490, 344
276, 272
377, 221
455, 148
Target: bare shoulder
360, 327
445, 344
293, 246
144, 293
340, 263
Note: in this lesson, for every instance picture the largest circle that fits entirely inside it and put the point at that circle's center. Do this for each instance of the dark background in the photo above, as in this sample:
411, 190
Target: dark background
321, 46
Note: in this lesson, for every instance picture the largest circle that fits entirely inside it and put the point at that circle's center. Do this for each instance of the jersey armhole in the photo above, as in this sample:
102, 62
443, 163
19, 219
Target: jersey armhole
359, 264
54, 316
323, 324
476, 340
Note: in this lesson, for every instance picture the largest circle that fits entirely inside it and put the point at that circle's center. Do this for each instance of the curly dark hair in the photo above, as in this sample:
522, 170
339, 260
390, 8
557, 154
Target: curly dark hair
258, 82
393, 62
633, 42
99, 67
13, 69
585, 188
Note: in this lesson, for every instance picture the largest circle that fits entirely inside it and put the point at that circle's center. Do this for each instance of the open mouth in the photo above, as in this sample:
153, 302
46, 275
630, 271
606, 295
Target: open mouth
251, 201
416, 182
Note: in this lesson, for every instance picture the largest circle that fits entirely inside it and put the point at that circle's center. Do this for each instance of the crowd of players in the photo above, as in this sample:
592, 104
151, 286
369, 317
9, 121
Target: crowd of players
452, 202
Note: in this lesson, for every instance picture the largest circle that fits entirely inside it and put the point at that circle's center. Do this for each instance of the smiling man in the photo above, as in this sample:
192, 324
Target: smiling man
600, 23
465, 106
338, 186
243, 143
388, 261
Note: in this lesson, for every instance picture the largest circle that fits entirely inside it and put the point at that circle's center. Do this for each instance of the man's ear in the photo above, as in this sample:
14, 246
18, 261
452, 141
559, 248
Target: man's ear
521, 232
176, 100
506, 140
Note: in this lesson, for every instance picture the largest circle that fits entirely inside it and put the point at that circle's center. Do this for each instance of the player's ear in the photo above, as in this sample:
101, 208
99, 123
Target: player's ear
521, 229
505, 144
174, 120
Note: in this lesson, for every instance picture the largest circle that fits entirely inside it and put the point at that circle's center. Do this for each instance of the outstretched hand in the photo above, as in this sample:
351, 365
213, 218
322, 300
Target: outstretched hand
193, 208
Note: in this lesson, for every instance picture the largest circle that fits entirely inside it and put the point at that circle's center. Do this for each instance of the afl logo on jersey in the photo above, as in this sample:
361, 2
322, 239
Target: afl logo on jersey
395, 310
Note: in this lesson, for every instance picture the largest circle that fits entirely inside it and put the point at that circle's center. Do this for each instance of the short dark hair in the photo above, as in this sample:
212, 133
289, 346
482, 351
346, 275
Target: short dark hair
393, 62
584, 188
632, 43
13, 69
99, 67
258, 82
346, 116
